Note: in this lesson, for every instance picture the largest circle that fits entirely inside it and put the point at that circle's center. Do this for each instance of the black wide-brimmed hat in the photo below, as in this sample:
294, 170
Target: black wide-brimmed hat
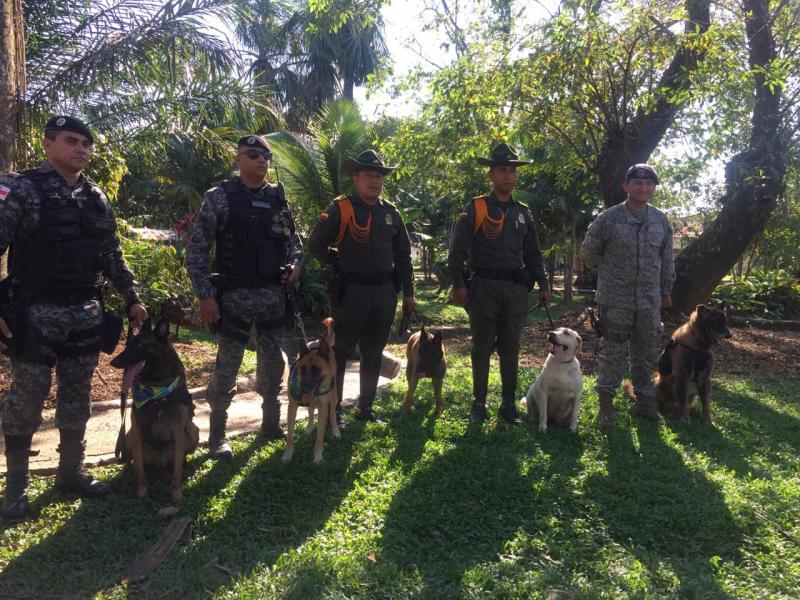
369, 160
67, 123
503, 154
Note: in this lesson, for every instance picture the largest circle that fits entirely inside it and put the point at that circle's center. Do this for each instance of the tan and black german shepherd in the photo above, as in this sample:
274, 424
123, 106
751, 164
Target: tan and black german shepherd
425, 357
162, 431
685, 365
312, 383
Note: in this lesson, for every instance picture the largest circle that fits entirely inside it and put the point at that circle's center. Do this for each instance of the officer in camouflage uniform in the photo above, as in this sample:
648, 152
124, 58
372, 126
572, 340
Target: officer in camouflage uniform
497, 234
630, 246
372, 253
257, 251
61, 232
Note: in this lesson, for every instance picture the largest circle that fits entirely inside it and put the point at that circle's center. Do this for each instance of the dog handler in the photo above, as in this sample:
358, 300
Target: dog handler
61, 231
497, 233
630, 246
249, 221
372, 253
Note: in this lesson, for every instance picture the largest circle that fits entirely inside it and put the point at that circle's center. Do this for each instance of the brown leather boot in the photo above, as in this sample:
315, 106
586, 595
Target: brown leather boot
605, 417
645, 408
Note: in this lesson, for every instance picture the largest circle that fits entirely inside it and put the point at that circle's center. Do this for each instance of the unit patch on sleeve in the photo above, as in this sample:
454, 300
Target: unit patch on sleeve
4, 192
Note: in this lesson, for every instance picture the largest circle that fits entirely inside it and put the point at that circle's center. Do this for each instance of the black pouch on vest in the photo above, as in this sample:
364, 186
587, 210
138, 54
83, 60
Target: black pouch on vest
112, 331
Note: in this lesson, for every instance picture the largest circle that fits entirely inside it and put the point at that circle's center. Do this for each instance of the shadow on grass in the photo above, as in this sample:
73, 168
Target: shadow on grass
665, 514
244, 513
475, 492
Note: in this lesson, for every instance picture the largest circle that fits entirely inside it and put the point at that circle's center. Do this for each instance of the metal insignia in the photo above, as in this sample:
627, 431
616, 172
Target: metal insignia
251, 140
521, 218
286, 231
388, 219
60, 122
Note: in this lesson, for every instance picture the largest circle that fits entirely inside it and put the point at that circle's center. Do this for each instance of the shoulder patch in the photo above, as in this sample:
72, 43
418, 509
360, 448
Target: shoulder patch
4, 192
324, 216
463, 216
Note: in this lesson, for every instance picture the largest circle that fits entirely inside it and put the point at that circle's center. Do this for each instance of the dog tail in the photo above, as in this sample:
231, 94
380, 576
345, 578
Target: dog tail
331, 336
628, 387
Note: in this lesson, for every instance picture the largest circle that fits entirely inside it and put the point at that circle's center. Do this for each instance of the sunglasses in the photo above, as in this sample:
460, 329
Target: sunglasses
254, 154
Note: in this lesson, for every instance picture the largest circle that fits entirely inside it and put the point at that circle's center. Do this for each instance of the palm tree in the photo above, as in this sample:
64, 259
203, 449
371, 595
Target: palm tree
310, 166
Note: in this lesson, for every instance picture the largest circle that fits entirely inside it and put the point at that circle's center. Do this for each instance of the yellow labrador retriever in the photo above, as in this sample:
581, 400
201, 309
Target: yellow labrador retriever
555, 396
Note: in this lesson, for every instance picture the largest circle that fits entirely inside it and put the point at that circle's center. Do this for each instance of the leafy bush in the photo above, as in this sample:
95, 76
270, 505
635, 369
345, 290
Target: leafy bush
764, 294
162, 281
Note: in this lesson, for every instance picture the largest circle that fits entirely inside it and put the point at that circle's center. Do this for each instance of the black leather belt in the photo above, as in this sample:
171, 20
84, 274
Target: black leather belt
65, 297
374, 279
497, 274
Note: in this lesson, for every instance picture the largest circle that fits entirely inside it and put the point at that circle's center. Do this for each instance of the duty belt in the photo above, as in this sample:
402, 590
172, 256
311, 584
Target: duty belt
250, 283
375, 279
62, 297
497, 274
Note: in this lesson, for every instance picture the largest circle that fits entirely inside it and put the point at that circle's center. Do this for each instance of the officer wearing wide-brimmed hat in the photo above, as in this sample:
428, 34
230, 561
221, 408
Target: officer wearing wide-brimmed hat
62, 235
257, 251
497, 234
372, 252
630, 247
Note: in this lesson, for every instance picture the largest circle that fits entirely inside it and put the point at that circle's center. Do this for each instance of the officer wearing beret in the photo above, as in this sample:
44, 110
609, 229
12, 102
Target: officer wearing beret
257, 251
367, 239
61, 232
497, 233
630, 247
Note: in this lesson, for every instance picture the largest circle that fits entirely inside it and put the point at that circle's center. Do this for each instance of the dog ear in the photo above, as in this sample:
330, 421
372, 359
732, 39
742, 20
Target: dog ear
162, 329
437, 337
701, 310
303, 351
422, 332
579, 347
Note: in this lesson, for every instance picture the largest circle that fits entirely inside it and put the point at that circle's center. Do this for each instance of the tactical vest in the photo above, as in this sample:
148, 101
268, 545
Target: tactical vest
65, 251
254, 245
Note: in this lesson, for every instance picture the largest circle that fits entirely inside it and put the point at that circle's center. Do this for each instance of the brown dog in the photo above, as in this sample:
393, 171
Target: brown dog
425, 358
162, 431
312, 383
686, 363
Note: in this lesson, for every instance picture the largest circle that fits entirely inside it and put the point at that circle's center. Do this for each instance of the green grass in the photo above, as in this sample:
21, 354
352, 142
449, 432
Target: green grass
436, 508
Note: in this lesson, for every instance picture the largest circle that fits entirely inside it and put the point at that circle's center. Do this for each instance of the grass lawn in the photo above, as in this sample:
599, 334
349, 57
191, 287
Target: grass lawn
427, 508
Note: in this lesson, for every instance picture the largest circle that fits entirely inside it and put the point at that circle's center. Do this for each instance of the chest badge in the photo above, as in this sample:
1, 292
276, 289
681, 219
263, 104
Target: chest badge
388, 219
521, 219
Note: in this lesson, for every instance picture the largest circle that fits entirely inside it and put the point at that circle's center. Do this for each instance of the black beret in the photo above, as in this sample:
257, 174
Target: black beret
65, 123
641, 171
254, 141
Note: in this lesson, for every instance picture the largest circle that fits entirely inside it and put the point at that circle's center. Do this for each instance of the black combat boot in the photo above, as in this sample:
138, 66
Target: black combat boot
270, 422
508, 411
368, 380
15, 502
478, 412
218, 446
71, 477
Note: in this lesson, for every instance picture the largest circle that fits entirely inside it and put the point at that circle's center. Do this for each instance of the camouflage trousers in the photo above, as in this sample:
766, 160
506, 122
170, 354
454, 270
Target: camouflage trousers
241, 310
639, 330
66, 337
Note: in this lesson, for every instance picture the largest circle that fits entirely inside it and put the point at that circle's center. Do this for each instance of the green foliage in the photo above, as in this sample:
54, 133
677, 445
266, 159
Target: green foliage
764, 294
162, 281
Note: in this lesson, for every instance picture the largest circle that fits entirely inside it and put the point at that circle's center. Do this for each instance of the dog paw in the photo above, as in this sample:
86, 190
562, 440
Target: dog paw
317, 459
542, 428
337, 434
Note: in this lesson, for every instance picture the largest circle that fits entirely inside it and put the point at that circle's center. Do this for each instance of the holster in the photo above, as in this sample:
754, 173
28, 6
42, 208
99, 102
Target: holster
12, 313
112, 331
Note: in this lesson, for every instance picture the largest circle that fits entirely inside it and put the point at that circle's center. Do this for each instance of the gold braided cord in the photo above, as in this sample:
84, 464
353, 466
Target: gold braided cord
492, 228
357, 232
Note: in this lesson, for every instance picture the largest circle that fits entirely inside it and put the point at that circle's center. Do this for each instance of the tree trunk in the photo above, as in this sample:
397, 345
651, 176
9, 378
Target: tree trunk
754, 179
12, 91
633, 142
569, 264
347, 87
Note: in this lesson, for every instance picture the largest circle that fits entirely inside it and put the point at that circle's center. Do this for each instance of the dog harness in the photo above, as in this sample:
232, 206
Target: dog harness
296, 390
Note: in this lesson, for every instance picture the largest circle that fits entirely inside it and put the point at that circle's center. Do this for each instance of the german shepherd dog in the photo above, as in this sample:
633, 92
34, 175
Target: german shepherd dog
312, 383
686, 363
425, 358
162, 430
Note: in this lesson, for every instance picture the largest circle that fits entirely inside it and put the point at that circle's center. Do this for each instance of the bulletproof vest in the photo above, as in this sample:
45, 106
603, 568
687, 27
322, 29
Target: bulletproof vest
254, 245
65, 250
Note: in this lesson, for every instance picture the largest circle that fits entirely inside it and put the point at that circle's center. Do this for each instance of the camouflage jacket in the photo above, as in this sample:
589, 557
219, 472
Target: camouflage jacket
20, 211
387, 249
633, 258
212, 217
515, 247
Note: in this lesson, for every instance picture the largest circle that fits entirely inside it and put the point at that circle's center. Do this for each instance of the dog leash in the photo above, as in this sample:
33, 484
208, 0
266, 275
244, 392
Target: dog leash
291, 291
546, 310
120, 450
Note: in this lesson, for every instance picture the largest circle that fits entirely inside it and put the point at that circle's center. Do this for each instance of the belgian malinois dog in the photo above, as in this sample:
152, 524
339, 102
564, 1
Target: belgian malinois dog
684, 369
425, 357
312, 383
162, 431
